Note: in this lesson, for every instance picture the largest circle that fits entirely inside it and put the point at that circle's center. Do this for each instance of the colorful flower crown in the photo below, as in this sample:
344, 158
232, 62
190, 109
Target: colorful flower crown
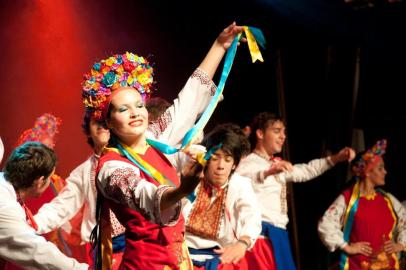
126, 70
360, 165
44, 131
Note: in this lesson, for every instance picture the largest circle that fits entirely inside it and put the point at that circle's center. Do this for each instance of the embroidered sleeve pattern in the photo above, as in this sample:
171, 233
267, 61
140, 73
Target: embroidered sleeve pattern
121, 186
283, 196
170, 216
204, 79
330, 225
160, 125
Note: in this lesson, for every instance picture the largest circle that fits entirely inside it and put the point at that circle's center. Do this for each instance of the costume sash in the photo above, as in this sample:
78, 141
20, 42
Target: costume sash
348, 222
281, 246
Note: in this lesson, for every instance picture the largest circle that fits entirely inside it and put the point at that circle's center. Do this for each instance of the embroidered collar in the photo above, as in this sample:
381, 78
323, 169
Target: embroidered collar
369, 196
206, 215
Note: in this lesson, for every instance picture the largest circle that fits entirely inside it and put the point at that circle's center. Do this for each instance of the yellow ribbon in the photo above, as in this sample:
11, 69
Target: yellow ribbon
252, 45
160, 178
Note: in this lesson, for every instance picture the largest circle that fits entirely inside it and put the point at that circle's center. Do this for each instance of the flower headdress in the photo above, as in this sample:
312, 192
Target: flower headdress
126, 70
44, 131
368, 158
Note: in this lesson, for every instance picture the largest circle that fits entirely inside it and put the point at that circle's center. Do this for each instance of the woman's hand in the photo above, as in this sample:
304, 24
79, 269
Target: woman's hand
392, 247
227, 36
232, 253
363, 248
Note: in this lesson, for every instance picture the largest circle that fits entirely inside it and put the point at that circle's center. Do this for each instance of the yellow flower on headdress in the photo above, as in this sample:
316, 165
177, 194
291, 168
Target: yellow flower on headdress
130, 56
120, 70
94, 72
110, 61
130, 80
115, 86
105, 69
144, 78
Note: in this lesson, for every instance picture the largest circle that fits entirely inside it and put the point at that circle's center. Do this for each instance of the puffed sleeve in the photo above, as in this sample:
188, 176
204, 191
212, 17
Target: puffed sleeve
330, 225
121, 182
401, 225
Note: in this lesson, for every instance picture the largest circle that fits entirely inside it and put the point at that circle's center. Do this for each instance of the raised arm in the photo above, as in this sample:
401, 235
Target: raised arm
173, 124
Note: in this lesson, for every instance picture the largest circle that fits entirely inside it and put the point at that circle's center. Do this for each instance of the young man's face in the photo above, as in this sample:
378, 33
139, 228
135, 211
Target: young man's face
273, 138
219, 168
98, 133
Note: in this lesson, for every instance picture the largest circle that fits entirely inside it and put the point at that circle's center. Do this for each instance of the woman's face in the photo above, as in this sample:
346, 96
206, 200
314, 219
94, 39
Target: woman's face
219, 168
377, 173
128, 117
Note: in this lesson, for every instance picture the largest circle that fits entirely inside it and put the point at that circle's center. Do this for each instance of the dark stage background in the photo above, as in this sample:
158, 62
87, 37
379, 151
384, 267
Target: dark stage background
310, 70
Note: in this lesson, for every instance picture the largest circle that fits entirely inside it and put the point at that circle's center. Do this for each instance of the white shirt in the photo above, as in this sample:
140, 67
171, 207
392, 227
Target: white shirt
271, 191
20, 244
245, 218
331, 224
80, 188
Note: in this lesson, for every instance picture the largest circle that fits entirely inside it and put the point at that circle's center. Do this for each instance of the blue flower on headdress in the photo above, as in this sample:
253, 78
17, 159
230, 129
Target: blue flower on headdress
97, 66
109, 79
119, 59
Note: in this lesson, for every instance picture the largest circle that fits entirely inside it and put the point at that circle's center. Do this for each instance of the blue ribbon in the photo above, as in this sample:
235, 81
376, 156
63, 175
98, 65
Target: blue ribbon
228, 63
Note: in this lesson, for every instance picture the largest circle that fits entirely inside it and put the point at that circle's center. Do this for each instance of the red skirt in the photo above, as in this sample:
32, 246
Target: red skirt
261, 255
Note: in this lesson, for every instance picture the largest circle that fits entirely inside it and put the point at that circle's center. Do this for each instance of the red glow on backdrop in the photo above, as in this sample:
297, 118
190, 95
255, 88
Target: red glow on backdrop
47, 46
42, 51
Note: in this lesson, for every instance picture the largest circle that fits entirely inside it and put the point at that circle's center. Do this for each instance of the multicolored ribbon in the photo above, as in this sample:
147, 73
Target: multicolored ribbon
348, 222
253, 36
147, 168
202, 158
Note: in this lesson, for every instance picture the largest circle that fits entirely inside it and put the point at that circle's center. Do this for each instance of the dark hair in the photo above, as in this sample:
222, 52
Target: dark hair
156, 106
232, 138
29, 162
86, 129
262, 121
